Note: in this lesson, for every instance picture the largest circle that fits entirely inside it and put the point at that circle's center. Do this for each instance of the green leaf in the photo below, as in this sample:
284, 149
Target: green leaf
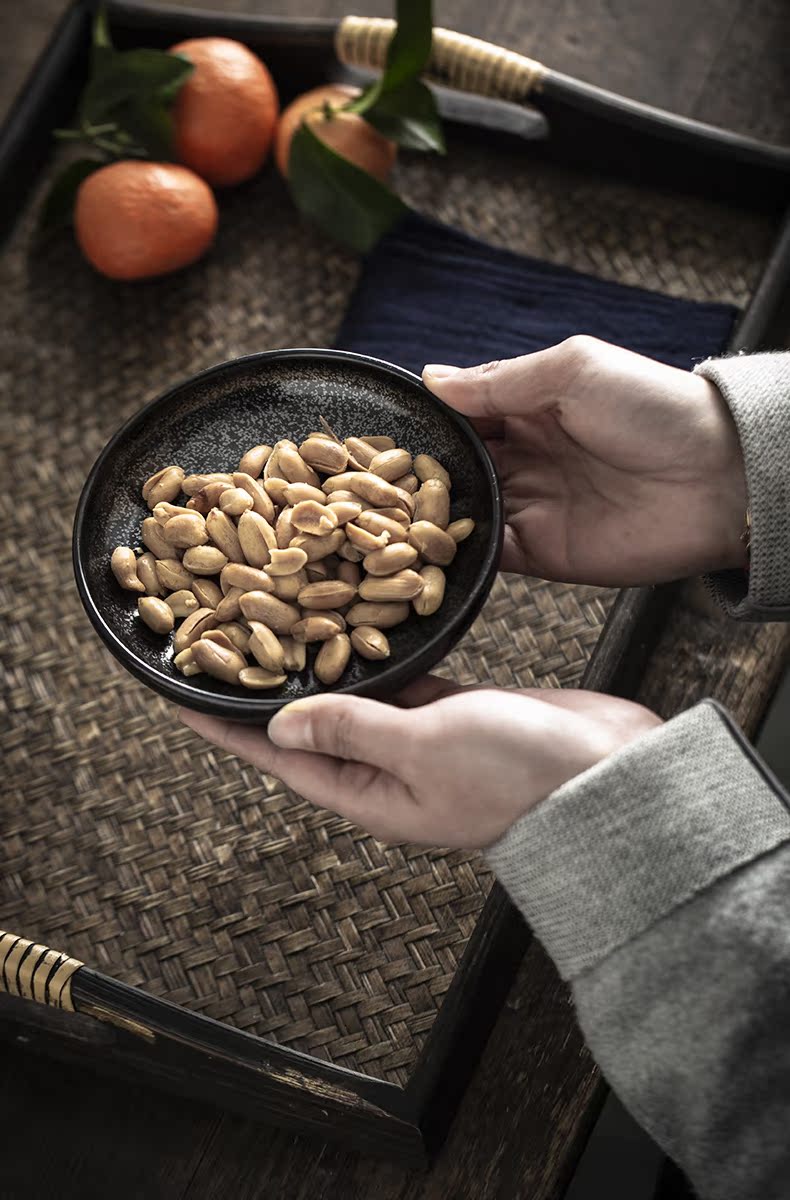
132, 75
344, 201
410, 47
58, 207
408, 116
149, 126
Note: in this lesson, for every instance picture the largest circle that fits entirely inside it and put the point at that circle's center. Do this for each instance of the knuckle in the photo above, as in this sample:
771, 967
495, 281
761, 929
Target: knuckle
582, 347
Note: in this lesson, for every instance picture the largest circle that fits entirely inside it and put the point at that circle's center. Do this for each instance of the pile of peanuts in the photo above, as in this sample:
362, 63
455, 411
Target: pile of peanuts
296, 547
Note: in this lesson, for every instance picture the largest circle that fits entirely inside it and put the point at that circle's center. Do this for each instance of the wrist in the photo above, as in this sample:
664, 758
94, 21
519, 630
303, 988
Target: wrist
728, 499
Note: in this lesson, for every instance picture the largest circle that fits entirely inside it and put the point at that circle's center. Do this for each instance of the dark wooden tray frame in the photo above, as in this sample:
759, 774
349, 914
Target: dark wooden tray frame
123, 1030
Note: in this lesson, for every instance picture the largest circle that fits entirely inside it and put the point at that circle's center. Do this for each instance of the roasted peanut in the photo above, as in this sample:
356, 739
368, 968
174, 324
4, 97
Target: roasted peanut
279, 616
229, 607
293, 467
164, 510
405, 501
164, 485
204, 560
258, 678
236, 633
249, 579
376, 524
370, 643
390, 464
284, 529
207, 592
314, 629
407, 483
193, 627
399, 515
296, 492
256, 538
276, 489
350, 573
432, 543
207, 498
183, 602
185, 662
403, 585
343, 496
222, 531
432, 503
261, 500
285, 562
265, 647
432, 594
146, 573
344, 510
217, 660
310, 517
338, 483
155, 540
380, 616
295, 654
329, 614
379, 442
234, 501
194, 483
360, 453
365, 541
373, 489
185, 530
255, 459
124, 568
426, 467
288, 587
459, 531
319, 547
328, 593
324, 454
390, 559
332, 659
219, 637
172, 574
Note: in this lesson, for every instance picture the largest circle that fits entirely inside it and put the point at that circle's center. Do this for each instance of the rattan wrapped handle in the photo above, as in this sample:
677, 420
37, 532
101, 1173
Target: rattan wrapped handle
457, 60
35, 972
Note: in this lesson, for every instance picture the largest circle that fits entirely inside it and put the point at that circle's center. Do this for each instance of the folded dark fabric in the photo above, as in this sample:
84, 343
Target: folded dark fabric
429, 293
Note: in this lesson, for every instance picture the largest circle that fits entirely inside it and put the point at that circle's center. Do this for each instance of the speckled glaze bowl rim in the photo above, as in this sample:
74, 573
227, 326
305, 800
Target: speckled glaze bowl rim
396, 674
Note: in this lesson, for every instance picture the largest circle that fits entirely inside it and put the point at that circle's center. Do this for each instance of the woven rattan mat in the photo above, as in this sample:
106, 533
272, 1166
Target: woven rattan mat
125, 840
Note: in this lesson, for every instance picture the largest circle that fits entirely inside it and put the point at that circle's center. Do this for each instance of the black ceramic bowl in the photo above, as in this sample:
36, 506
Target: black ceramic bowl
205, 424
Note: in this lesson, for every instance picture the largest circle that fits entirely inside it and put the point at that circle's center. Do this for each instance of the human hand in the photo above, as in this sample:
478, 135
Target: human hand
453, 767
617, 470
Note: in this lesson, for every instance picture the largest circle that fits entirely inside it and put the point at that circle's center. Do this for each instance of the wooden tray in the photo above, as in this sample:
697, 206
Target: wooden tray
571, 143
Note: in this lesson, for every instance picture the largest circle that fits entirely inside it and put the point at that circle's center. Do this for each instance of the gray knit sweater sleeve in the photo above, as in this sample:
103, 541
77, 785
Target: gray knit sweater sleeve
756, 389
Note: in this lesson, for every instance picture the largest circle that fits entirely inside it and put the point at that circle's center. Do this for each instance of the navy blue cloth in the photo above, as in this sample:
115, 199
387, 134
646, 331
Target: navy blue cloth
429, 293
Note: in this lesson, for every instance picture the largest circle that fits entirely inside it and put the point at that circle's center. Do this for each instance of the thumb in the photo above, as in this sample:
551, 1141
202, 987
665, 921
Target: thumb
505, 387
344, 727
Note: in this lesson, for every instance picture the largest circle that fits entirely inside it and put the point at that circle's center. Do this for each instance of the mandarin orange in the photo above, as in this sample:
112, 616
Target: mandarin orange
346, 133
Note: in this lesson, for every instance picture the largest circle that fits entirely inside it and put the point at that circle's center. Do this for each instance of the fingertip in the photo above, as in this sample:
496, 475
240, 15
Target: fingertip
437, 372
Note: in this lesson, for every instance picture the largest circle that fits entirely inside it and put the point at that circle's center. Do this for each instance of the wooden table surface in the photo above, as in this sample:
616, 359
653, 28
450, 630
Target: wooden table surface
524, 1119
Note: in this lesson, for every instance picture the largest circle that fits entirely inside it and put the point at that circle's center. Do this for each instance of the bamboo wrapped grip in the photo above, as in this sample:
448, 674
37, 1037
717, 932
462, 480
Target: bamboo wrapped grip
460, 61
35, 972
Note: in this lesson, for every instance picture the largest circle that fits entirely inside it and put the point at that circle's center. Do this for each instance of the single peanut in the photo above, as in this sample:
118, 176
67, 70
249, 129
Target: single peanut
343, 496
344, 510
296, 492
234, 501
365, 541
276, 489
256, 538
432, 503
207, 592
373, 522
185, 530
350, 573
207, 498
314, 629
332, 659
426, 467
185, 662
229, 607
219, 661
432, 543
255, 459
284, 529
194, 483
329, 593
204, 560
223, 534
164, 485
266, 648
403, 585
249, 579
294, 654
288, 587
342, 482
237, 633
124, 568
328, 614
146, 573
219, 637
193, 627
407, 483
360, 453
164, 510
319, 547
459, 531
261, 500
260, 606
173, 576
183, 602
432, 594
293, 467
154, 539
379, 442
390, 559
310, 517
399, 515
258, 678
390, 464
373, 489
370, 643
380, 616
324, 454
285, 562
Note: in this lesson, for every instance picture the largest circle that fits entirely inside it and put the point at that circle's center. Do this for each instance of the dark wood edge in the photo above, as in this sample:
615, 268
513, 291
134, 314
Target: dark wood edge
185, 1051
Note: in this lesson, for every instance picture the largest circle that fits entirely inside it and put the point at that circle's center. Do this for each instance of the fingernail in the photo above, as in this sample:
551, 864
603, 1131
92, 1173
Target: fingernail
291, 728
439, 371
